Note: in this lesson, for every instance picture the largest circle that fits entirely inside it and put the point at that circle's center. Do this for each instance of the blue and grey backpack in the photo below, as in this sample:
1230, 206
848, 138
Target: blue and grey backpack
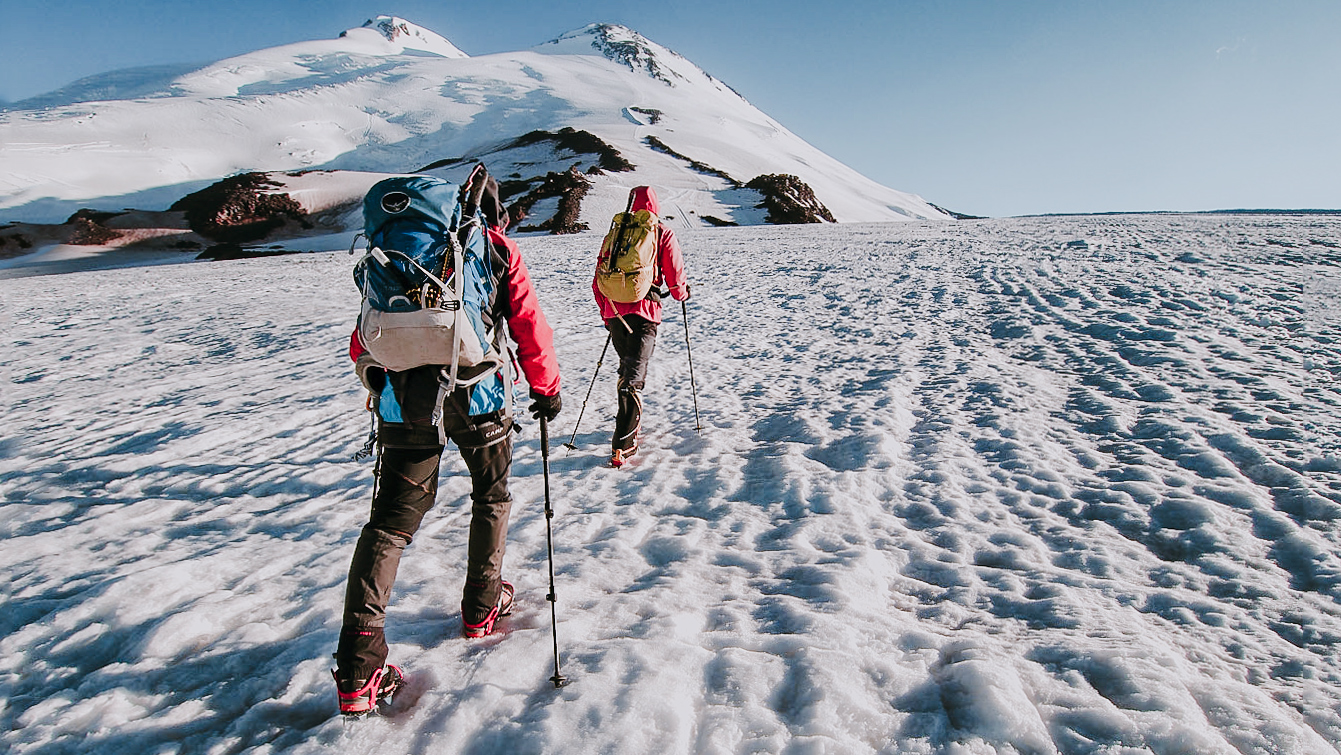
426, 280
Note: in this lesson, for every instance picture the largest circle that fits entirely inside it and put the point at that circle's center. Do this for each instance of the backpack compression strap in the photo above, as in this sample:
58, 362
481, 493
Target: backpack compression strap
452, 382
458, 265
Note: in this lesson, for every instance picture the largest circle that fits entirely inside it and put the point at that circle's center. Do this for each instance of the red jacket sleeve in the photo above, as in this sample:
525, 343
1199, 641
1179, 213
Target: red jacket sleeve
529, 328
355, 346
671, 263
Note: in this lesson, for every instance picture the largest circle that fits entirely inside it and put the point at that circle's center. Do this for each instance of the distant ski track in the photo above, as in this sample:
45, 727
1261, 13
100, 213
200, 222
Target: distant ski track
1048, 485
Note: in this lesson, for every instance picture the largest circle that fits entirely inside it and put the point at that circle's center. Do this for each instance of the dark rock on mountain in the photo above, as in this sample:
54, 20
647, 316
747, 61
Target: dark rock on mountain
632, 51
567, 142
87, 231
653, 115
570, 187
713, 220
699, 167
789, 200
13, 242
238, 209
957, 215
579, 143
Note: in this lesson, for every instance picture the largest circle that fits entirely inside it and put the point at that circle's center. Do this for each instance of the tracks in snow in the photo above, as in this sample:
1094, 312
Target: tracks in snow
1056, 484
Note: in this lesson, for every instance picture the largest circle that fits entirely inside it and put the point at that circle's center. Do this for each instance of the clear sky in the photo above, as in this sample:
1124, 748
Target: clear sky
988, 107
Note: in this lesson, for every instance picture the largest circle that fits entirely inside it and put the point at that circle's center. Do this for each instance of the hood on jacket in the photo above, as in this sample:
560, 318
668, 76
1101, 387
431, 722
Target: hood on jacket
644, 198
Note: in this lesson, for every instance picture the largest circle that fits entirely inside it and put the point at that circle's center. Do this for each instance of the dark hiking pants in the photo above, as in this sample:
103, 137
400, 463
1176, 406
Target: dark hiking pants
407, 485
634, 338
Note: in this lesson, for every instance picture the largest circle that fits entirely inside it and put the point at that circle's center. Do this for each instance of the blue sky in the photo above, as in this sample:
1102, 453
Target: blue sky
992, 108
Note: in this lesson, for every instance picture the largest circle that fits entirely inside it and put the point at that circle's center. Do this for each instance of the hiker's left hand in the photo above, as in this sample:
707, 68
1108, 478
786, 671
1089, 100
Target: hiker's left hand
545, 407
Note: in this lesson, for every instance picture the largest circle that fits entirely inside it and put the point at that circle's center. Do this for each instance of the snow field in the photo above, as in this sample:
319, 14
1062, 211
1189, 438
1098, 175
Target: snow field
1049, 485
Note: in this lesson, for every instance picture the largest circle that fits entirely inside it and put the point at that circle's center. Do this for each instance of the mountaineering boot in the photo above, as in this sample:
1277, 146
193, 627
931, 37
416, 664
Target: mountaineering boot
621, 455
359, 697
486, 626
628, 424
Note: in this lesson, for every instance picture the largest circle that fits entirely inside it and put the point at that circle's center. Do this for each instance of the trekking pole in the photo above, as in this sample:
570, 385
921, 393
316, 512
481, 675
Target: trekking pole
570, 444
558, 678
684, 311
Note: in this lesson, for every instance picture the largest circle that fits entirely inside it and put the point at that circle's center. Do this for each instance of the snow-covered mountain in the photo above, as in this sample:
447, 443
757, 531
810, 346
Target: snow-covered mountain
603, 105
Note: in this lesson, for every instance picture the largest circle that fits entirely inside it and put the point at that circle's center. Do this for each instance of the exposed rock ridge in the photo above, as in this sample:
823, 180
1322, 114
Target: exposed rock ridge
789, 200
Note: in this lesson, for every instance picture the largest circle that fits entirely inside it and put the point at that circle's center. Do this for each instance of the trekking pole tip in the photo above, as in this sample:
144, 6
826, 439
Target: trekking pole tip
559, 680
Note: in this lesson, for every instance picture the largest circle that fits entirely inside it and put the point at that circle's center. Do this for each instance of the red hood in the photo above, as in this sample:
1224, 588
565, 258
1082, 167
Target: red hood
644, 198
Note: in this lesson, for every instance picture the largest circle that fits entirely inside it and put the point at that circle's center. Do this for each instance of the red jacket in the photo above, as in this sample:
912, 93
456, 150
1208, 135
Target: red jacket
526, 322
529, 328
670, 266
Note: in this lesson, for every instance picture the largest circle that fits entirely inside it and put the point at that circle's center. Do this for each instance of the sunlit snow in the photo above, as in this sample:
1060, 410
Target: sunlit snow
1052, 485
380, 101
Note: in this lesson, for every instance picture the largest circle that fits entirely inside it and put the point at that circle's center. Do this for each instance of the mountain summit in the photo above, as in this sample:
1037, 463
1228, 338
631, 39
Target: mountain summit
628, 48
410, 36
567, 127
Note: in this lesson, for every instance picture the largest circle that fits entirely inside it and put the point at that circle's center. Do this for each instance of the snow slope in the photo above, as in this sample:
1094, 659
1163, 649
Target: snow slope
393, 98
1049, 485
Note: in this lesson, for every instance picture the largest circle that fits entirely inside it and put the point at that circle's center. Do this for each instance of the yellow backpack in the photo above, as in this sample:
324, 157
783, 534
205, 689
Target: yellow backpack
628, 262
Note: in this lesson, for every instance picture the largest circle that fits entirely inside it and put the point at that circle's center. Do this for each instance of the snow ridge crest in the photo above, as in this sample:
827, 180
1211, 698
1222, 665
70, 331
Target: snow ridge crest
412, 36
628, 48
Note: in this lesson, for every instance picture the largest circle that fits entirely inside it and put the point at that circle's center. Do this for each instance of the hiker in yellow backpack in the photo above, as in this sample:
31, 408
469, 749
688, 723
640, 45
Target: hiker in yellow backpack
638, 256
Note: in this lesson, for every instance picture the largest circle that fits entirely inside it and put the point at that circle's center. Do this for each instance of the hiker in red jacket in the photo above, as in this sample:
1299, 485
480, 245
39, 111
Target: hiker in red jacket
633, 327
410, 450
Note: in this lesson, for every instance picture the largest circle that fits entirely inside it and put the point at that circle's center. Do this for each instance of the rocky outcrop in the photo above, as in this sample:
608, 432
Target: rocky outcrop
957, 215
569, 186
789, 200
629, 48
239, 209
522, 191
578, 142
713, 220
575, 142
698, 167
653, 115
13, 241
87, 229
128, 229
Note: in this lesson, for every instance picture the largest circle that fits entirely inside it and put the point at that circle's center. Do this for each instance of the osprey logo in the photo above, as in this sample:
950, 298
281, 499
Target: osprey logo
395, 202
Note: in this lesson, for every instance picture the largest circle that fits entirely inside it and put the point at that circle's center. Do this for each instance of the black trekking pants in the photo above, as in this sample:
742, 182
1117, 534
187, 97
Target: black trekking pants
407, 486
634, 338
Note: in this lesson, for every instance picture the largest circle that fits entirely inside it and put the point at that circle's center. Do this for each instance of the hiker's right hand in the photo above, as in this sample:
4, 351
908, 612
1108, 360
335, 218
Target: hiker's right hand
545, 407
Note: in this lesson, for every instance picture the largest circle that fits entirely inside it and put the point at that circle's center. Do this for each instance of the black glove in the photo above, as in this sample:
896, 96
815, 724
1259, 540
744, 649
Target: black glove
545, 407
